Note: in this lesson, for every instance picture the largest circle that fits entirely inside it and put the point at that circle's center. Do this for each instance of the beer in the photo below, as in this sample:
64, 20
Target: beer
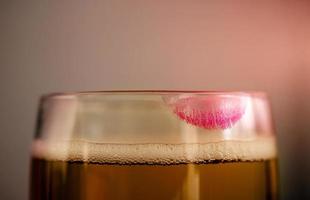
222, 170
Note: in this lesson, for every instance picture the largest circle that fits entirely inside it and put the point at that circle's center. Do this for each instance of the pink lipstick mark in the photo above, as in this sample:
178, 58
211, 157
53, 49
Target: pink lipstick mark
208, 112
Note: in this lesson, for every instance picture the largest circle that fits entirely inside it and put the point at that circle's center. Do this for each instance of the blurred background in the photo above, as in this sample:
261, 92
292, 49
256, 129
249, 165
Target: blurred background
49, 46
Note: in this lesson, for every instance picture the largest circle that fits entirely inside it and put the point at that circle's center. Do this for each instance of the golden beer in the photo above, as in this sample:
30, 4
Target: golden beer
156, 176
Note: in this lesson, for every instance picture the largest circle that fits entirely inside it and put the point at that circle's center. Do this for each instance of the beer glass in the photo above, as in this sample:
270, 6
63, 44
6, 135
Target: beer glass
147, 145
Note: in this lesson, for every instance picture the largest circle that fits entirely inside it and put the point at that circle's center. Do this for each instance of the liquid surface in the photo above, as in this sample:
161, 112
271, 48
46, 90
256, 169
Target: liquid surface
80, 150
255, 180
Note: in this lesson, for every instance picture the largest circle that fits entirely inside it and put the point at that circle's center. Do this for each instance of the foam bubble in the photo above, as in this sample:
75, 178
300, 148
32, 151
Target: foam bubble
79, 150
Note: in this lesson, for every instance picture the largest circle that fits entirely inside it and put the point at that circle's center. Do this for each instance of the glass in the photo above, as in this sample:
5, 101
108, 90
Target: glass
167, 145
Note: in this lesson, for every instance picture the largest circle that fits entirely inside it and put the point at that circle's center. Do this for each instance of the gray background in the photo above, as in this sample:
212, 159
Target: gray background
48, 46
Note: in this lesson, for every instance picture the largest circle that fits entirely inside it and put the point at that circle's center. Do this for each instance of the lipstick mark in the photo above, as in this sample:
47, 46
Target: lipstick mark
209, 112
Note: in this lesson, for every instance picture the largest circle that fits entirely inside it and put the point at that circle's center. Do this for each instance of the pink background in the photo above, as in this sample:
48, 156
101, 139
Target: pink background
48, 46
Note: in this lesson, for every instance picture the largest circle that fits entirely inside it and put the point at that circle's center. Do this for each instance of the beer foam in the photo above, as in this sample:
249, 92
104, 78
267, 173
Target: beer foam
85, 151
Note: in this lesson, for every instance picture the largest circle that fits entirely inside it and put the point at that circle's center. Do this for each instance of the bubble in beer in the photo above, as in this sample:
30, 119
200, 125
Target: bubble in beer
163, 154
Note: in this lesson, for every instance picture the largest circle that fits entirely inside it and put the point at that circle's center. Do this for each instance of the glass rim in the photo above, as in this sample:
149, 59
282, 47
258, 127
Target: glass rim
154, 92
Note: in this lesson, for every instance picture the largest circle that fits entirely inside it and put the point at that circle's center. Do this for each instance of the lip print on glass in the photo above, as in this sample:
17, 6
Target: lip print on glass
209, 112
